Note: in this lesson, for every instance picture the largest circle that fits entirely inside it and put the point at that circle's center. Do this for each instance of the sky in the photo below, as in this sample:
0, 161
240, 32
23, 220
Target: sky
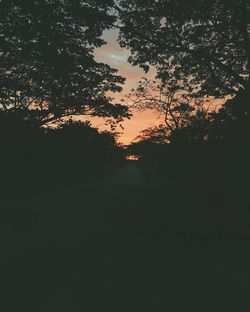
113, 55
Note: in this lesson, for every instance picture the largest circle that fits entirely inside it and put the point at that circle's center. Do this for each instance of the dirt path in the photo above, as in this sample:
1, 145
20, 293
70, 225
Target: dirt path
126, 176
118, 244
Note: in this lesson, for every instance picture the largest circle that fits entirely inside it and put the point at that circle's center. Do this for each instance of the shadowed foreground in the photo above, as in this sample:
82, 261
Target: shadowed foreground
128, 242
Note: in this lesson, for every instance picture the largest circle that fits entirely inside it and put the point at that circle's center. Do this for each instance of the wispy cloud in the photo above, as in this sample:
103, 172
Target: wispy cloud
113, 55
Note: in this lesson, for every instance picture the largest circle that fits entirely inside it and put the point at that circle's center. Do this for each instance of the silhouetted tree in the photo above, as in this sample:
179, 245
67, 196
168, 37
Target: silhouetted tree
172, 102
157, 134
169, 100
73, 149
227, 125
206, 44
76, 149
47, 68
19, 142
231, 124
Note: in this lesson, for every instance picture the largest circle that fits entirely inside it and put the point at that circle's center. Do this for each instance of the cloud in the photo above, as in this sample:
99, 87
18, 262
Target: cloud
115, 56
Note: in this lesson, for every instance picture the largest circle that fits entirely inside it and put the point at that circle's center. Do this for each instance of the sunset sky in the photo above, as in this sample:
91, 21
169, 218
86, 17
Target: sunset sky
116, 57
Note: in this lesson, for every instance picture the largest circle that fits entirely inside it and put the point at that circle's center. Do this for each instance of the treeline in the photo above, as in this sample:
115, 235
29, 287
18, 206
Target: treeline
200, 51
211, 179
209, 156
48, 74
72, 150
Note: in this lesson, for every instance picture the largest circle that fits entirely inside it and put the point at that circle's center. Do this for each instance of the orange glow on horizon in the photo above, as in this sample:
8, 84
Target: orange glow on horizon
132, 157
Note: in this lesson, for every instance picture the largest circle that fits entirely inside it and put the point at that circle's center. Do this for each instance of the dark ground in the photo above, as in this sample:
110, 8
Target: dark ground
129, 242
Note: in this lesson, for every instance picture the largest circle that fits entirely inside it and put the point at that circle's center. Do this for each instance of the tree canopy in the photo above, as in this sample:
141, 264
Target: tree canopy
205, 44
169, 100
47, 67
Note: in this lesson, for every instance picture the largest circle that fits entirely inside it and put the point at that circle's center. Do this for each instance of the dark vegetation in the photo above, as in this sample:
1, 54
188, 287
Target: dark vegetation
81, 228
72, 150
201, 54
204, 145
47, 68
48, 72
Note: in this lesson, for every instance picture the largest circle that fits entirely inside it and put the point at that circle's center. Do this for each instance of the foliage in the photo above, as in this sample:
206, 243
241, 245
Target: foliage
157, 134
227, 125
204, 43
47, 68
73, 150
170, 100
201, 51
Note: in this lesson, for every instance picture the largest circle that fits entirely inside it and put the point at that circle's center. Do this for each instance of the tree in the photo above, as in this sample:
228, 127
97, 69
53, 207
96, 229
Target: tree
171, 100
228, 125
157, 135
47, 67
79, 149
176, 108
204, 43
